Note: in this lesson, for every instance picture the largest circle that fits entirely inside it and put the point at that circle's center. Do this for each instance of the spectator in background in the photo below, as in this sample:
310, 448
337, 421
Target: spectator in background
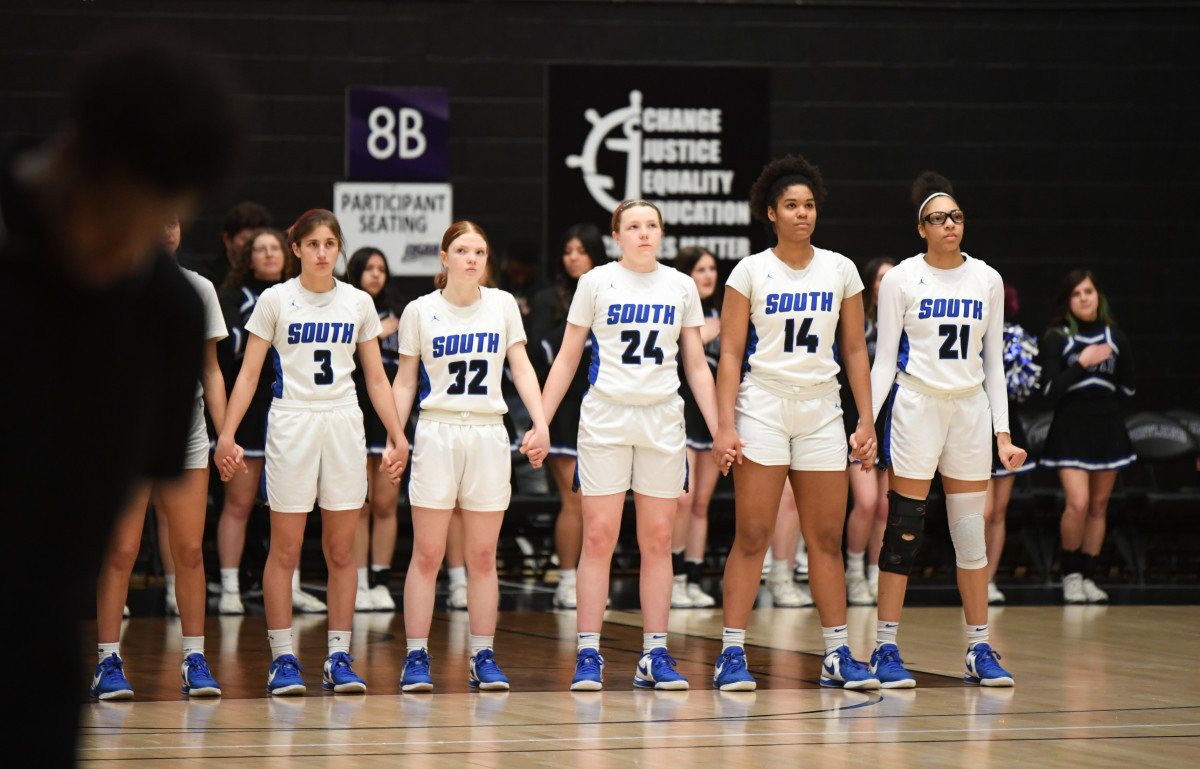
1087, 370
152, 128
236, 228
520, 273
582, 249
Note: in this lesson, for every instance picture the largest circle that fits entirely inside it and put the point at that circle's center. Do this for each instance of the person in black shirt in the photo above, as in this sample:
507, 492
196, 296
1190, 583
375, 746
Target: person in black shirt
1087, 368
151, 130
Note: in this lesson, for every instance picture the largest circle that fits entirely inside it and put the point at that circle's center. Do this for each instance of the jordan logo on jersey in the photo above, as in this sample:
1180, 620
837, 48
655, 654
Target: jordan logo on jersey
951, 308
811, 301
464, 344
641, 313
335, 333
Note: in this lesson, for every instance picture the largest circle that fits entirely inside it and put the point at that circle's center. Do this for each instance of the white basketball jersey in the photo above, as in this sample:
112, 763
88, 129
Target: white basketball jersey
794, 315
938, 326
635, 320
461, 349
313, 337
214, 320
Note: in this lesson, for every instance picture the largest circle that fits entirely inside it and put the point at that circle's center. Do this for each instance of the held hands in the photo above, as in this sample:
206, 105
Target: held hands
727, 449
536, 444
863, 446
394, 459
1011, 456
1094, 354
228, 457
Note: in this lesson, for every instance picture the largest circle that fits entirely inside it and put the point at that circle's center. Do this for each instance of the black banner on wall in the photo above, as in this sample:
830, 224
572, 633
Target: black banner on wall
689, 139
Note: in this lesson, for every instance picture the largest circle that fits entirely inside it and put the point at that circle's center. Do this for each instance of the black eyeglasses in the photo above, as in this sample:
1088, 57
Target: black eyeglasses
938, 218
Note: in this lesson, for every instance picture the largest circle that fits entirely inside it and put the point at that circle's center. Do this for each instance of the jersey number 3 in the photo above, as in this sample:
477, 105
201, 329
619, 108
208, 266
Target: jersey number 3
459, 369
952, 334
325, 375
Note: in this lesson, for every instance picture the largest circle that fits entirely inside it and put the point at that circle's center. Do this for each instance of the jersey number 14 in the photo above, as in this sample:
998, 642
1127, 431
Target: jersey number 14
792, 339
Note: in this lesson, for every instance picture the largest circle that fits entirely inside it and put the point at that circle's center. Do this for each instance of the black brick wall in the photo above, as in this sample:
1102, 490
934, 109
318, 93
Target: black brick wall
1070, 130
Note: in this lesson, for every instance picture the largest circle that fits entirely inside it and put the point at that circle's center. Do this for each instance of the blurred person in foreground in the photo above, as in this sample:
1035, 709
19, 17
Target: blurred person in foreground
150, 130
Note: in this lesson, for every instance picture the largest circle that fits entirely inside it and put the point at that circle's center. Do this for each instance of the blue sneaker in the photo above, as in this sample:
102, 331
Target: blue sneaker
983, 667
731, 674
889, 668
109, 682
197, 681
415, 675
284, 676
589, 671
656, 671
842, 670
486, 674
340, 677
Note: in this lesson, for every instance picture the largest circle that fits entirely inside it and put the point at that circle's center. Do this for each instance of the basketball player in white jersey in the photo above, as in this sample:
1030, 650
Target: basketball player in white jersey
183, 503
939, 360
311, 326
640, 316
453, 345
778, 406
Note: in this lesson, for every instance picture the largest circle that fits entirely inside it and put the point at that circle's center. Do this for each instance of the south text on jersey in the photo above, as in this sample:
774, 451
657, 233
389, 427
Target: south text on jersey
323, 333
464, 344
641, 313
800, 301
950, 308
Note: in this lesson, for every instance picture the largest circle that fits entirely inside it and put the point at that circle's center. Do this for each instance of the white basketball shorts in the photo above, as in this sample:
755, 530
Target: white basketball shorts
926, 433
198, 448
625, 447
470, 464
804, 434
316, 451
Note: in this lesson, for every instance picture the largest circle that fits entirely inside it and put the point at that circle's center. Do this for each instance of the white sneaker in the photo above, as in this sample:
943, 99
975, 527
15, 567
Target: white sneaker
307, 602
172, 604
381, 598
1073, 589
785, 594
230, 603
700, 599
766, 570
994, 594
679, 593
125, 612
857, 592
873, 586
363, 599
458, 597
1092, 593
564, 595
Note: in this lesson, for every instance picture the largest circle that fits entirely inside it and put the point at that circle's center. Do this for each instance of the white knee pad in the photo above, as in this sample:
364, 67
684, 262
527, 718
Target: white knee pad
964, 512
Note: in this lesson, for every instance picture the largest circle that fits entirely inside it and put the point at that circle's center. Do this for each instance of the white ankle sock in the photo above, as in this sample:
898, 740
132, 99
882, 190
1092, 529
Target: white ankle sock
229, 581
479, 643
193, 645
417, 644
651, 641
976, 634
885, 632
781, 571
107, 650
280, 642
873, 573
854, 564
363, 583
835, 637
732, 636
566, 575
296, 581
587, 641
458, 575
339, 641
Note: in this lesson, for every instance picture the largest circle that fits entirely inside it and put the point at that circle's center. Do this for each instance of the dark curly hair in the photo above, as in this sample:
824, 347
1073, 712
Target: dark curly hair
927, 184
777, 176
243, 270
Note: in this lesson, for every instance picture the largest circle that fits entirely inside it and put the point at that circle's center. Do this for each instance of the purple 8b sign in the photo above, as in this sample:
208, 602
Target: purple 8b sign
397, 133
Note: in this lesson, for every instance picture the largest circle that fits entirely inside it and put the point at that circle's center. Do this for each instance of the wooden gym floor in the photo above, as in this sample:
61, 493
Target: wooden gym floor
1096, 686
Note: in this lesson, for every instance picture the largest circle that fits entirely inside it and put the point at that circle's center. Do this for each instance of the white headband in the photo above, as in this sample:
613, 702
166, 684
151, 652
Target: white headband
931, 197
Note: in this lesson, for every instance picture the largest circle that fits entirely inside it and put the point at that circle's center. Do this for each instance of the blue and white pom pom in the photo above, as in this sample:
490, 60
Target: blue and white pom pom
1020, 371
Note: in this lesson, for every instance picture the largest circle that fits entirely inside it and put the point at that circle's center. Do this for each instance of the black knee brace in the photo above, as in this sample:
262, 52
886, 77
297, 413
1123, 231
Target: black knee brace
903, 535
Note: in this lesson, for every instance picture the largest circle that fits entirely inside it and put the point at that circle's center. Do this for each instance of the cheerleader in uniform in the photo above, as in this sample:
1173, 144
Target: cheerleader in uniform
868, 516
582, 250
1020, 375
368, 270
691, 518
312, 326
1087, 370
939, 363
